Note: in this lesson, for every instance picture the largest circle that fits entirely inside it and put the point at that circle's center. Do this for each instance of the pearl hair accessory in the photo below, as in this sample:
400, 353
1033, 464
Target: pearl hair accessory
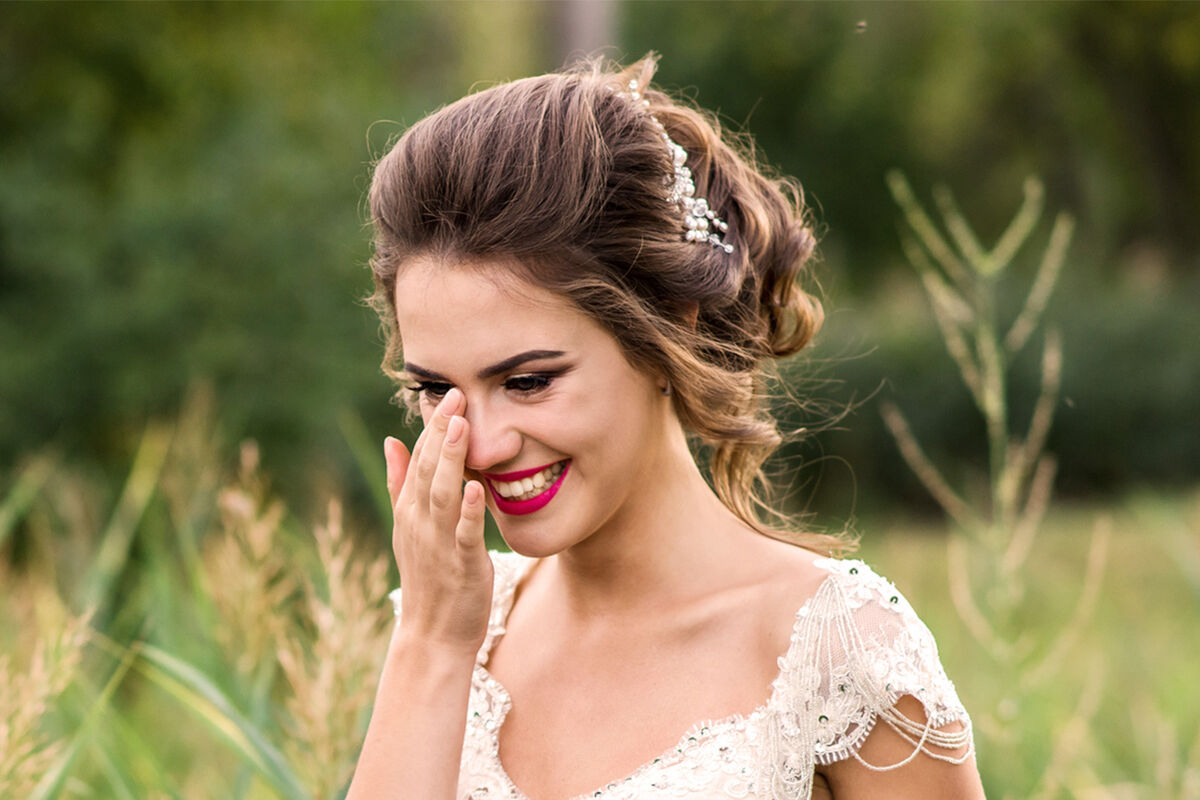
700, 224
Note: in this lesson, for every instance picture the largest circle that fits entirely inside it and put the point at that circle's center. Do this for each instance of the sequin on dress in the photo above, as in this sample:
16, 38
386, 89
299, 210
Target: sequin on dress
856, 648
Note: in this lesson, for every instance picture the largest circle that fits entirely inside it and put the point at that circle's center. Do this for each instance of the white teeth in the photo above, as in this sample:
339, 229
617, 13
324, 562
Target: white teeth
530, 487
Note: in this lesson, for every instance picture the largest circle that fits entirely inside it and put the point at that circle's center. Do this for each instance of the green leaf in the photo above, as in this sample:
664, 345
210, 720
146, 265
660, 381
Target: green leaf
52, 782
200, 695
118, 536
23, 493
369, 456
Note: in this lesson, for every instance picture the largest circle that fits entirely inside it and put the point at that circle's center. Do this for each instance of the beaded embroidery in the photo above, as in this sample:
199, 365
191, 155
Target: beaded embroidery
856, 648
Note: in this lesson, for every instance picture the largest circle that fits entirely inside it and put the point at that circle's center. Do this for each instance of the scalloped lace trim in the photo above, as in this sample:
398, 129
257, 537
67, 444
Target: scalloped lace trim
856, 648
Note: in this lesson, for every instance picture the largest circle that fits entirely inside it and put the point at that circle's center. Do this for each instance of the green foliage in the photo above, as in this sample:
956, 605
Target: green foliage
180, 192
230, 654
181, 202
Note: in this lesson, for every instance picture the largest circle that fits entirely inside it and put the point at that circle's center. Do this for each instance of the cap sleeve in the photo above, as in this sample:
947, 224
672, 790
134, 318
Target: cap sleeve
856, 649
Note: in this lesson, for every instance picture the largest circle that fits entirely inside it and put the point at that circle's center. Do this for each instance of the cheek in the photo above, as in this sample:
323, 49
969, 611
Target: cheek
614, 424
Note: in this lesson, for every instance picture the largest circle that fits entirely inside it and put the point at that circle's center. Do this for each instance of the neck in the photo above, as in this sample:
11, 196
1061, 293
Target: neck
664, 547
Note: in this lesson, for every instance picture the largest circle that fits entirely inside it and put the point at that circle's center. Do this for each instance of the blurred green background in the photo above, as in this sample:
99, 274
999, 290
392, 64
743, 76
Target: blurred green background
183, 242
181, 201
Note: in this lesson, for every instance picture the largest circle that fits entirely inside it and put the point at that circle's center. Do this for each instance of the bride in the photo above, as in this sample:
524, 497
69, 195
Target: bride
582, 283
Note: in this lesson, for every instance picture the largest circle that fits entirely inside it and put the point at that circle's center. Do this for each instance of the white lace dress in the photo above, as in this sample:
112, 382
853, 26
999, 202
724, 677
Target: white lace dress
856, 648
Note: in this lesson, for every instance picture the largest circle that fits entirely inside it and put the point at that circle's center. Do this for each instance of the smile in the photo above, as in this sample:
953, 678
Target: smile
529, 490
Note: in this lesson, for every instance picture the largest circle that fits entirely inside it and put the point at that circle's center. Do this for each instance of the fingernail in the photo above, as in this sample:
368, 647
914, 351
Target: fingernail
455, 431
449, 404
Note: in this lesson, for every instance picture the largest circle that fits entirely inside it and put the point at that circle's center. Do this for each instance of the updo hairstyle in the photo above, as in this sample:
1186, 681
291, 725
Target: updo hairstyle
562, 176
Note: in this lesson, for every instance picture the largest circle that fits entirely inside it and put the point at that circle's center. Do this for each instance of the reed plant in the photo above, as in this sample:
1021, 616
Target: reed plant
331, 662
302, 623
995, 531
232, 652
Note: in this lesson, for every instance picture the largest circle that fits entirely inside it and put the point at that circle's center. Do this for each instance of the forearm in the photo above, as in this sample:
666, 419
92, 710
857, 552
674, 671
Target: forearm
414, 741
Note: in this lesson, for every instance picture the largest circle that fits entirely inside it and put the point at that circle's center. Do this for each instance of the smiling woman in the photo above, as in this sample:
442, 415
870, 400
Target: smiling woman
579, 276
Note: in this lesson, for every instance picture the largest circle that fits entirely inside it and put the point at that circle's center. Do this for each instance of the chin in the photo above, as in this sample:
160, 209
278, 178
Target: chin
531, 548
545, 533
531, 539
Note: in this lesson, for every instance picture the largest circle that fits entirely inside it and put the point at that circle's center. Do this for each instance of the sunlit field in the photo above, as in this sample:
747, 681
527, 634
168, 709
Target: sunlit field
191, 638
1118, 713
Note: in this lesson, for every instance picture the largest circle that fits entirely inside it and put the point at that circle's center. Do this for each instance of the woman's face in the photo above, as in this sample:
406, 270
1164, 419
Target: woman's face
565, 435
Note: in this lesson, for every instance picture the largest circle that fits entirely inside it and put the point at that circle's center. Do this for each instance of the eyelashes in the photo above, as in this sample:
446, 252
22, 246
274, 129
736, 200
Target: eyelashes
434, 389
525, 385
529, 384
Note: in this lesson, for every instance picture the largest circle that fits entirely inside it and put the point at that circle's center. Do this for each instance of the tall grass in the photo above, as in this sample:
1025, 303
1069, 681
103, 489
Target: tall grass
233, 652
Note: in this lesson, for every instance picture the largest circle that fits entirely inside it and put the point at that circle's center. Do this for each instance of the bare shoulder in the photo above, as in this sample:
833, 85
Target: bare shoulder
787, 577
790, 574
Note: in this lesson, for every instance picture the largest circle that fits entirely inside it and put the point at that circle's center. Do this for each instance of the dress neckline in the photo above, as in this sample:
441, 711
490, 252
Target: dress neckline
501, 606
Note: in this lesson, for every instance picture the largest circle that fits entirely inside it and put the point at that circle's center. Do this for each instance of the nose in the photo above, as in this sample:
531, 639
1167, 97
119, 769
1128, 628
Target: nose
492, 440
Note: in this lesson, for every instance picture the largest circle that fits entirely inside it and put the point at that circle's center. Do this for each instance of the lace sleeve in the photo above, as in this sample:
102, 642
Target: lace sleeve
857, 648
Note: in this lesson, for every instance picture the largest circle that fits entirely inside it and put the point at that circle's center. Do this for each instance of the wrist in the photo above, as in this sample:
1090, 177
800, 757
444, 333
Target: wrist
428, 653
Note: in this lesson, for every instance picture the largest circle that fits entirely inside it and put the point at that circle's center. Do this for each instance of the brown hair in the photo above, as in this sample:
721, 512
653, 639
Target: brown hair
562, 175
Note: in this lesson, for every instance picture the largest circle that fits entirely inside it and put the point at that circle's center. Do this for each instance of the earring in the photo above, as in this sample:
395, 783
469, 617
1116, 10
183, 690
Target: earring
666, 390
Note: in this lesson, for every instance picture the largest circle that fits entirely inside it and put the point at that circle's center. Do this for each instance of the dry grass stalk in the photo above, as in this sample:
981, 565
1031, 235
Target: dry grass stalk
331, 670
931, 477
249, 578
325, 636
29, 690
1085, 609
961, 281
1043, 286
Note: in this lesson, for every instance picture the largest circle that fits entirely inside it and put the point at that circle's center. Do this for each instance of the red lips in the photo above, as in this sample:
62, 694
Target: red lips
521, 507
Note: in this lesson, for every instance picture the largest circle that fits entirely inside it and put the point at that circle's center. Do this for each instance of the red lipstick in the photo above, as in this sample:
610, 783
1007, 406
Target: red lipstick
536, 503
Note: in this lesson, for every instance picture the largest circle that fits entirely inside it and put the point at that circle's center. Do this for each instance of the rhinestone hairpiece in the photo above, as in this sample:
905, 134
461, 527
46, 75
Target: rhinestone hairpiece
700, 224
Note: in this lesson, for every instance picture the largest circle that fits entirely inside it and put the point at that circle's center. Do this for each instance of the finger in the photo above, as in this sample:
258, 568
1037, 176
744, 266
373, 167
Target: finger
468, 534
415, 458
445, 491
431, 449
396, 457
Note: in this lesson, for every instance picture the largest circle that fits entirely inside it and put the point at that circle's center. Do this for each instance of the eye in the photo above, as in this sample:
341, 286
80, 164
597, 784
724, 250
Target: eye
434, 390
528, 384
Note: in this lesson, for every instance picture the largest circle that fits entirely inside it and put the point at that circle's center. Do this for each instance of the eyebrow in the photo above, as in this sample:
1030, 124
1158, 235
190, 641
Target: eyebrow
500, 367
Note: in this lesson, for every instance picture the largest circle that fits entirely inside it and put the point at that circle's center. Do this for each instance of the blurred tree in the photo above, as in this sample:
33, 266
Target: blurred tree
181, 198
